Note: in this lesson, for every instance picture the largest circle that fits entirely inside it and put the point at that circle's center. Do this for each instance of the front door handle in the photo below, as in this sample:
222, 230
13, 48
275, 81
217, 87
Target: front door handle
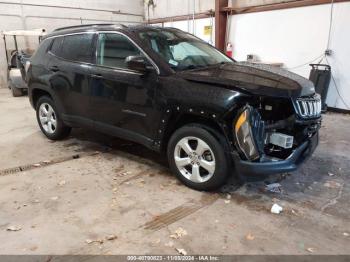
54, 68
98, 76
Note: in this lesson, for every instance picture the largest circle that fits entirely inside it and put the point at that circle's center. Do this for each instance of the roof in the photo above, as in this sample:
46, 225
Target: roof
89, 26
98, 27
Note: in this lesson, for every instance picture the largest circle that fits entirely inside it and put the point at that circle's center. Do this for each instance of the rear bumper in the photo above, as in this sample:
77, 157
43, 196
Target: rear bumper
299, 155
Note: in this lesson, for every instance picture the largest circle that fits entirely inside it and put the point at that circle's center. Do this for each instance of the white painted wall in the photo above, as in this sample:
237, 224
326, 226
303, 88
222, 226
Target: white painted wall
14, 16
198, 28
168, 8
297, 36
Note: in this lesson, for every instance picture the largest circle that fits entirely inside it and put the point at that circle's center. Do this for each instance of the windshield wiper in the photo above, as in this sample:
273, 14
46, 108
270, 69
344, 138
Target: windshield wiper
221, 63
191, 67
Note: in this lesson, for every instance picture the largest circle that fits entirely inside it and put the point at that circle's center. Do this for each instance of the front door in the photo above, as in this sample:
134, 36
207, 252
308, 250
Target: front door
122, 100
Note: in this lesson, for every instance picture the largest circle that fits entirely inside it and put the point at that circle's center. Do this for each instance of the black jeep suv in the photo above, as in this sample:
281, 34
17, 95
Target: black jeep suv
173, 93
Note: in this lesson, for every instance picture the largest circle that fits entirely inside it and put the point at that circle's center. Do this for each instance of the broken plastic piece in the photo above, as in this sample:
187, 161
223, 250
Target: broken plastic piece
276, 209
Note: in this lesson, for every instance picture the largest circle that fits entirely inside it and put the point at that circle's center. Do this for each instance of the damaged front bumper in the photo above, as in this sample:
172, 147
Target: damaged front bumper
266, 167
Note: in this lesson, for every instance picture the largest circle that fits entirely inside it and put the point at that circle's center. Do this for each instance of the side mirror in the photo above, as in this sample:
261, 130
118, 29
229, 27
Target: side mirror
137, 63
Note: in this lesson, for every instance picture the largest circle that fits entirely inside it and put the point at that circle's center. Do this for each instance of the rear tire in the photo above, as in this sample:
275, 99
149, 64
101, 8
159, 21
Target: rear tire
197, 157
49, 120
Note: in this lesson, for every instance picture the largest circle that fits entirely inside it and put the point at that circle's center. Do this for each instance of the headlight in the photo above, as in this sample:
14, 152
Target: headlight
244, 135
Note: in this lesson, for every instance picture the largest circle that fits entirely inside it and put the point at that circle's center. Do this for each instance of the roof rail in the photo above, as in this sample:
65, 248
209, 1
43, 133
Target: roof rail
87, 25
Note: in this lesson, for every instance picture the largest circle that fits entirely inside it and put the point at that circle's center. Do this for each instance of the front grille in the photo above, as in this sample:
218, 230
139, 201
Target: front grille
309, 107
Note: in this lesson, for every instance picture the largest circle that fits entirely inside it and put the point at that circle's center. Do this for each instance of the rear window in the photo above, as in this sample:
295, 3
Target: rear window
76, 47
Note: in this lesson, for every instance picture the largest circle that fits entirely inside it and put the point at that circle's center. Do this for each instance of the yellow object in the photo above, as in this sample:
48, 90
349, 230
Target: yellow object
207, 30
242, 118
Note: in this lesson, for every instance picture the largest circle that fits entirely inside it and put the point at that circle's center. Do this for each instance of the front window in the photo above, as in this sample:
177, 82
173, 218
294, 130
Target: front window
182, 51
113, 49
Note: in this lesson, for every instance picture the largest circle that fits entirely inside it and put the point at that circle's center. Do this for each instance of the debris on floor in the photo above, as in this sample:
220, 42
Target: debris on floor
122, 174
181, 251
274, 188
310, 249
332, 184
90, 241
33, 248
156, 242
169, 244
295, 212
14, 228
250, 236
276, 209
111, 237
180, 232
62, 183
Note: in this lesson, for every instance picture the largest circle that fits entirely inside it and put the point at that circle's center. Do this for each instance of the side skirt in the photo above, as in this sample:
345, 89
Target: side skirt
76, 121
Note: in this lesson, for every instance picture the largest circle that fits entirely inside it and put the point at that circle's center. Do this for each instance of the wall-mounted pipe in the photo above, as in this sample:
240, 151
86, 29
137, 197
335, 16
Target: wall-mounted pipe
193, 14
79, 19
188, 17
118, 12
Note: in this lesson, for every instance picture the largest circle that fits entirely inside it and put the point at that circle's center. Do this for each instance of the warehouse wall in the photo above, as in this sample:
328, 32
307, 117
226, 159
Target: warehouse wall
296, 37
14, 16
198, 29
167, 8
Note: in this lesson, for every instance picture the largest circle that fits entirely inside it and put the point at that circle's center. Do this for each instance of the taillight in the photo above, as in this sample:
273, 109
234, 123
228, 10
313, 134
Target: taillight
26, 66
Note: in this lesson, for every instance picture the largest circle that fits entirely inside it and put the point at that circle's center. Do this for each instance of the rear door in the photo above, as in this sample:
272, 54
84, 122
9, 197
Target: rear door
70, 63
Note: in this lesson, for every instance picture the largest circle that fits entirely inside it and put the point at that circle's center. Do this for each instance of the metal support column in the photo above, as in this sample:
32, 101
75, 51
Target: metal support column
220, 24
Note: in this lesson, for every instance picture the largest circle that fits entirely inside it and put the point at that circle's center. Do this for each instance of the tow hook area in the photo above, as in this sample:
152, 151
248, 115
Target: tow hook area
279, 139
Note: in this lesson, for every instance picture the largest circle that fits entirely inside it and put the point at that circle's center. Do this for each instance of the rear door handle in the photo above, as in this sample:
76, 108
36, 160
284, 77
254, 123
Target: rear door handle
98, 76
54, 68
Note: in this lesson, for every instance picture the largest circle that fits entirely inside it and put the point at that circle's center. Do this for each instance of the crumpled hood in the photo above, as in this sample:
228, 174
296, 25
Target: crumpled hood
256, 79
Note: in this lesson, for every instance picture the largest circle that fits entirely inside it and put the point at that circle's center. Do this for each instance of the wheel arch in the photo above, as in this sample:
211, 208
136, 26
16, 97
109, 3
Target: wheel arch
212, 125
37, 93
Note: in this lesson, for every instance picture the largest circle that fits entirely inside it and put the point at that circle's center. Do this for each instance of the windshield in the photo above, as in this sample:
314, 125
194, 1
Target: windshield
182, 51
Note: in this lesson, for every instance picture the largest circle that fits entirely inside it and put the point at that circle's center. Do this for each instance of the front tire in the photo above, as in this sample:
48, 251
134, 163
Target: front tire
197, 157
49, 121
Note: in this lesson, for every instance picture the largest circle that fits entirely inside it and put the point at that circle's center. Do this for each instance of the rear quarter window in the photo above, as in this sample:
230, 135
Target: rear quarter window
56, 46
41, 51
77, 47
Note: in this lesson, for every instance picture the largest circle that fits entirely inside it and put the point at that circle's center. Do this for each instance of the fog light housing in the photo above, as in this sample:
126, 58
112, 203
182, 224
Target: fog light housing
244, 135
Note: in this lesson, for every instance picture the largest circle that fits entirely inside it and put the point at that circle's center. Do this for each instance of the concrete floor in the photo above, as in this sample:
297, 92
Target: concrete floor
64, 204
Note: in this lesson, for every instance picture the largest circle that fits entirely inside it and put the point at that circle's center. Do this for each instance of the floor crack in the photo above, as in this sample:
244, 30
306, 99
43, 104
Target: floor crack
334, 200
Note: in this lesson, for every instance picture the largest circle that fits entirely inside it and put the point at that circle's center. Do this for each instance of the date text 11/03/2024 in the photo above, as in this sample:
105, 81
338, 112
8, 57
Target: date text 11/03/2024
173, 258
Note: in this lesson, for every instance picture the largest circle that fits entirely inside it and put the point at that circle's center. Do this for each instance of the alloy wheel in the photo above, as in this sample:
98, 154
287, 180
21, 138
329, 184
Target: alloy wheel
194, 159
47, 118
